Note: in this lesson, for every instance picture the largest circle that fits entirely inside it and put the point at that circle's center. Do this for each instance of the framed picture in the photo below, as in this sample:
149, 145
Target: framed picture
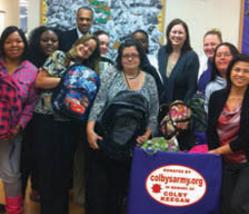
244, 27
118, 17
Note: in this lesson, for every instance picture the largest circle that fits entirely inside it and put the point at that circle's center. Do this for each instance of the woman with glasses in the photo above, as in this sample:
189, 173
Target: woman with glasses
228, 135
108, 177
223, 55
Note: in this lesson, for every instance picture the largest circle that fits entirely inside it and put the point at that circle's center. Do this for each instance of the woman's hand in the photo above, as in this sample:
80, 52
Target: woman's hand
14, 132
92, 136
141, 139
222, 150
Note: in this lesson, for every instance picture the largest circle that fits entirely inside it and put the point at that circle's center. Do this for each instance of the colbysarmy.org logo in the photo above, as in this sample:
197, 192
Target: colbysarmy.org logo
176, 185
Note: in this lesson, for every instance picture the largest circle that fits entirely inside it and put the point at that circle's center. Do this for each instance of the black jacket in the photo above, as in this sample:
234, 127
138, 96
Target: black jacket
182, 83
68, 38
216, 105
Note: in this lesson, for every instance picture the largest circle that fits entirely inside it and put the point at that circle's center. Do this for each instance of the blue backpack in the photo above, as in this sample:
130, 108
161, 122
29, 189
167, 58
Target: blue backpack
76, 92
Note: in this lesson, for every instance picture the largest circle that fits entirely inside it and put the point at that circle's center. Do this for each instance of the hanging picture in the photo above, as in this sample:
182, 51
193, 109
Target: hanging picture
118, 17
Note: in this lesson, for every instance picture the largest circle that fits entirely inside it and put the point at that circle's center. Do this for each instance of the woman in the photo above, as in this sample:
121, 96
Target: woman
56, 136
14, 64
228, 134
150, 65
43, 42
223, 55
211, 39
107, 178
178, 64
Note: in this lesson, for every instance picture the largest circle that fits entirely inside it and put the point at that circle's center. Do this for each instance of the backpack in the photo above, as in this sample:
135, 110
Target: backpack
176, 119
76, 92
121, 122
10, 105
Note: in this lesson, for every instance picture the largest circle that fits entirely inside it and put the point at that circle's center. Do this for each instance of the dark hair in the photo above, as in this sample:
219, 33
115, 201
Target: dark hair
86, 8
5, 34
146, 36
36, 56
100, 32
141, 31
186, 46
237, 58
234, 51
130, 43
214, 32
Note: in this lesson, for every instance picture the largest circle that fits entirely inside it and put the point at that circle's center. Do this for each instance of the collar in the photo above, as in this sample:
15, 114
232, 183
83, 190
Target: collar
81, 34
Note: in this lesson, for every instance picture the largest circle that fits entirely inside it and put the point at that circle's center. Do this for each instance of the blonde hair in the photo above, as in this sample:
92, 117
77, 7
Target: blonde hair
214, 31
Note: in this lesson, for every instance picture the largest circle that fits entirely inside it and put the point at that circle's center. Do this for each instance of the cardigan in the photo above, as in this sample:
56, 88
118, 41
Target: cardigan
216, 104
182, 83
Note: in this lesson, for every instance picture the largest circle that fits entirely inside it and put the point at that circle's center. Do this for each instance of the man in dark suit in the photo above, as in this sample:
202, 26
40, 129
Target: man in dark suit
84, 20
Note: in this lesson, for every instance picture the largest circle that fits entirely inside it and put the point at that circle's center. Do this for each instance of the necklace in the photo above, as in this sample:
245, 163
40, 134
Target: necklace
133, 77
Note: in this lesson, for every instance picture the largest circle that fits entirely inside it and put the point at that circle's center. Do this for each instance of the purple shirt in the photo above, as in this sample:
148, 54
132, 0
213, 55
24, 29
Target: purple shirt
24, 77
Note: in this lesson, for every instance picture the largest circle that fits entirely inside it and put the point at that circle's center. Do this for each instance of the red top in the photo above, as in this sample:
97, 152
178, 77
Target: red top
228, 128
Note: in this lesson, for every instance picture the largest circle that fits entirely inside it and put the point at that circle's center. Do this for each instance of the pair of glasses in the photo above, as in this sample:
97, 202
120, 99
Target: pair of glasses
130, 56
238, 70
224, 54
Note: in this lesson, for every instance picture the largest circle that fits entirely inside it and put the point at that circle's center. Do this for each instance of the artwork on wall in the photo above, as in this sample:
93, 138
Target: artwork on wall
119, 18
244, 23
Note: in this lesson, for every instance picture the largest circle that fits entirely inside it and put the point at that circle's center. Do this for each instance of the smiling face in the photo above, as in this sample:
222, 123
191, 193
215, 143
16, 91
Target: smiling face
130, 58
103, 43
49, 42
84, 20
13, 46
177, 35
86, 49
141, 37
210, 42
222, 59
240, 75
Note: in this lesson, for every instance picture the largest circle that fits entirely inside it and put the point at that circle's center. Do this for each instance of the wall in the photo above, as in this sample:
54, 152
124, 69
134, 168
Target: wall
11, 7
200, 15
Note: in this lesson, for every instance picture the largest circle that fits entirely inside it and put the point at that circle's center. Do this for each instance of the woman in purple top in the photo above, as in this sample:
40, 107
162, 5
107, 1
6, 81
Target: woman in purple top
13, 65
211, 39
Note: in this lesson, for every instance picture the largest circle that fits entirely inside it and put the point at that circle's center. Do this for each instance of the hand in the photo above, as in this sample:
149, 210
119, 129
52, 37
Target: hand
15, 131
214, 152
141, 139
92, 138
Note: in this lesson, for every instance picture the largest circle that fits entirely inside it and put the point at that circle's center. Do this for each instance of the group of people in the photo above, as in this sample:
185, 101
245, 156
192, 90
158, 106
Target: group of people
42, 143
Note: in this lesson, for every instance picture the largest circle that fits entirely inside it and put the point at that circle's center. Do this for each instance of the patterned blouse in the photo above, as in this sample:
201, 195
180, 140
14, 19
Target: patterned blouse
24, 77
228, 128
113, 82
55, 66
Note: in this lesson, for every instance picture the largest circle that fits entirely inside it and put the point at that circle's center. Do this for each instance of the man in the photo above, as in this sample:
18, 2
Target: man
84, 20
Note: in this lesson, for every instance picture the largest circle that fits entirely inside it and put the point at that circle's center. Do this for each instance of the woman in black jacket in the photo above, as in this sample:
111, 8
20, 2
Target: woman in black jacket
228, 135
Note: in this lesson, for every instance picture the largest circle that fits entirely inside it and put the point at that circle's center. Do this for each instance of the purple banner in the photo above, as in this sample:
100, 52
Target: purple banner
175, 183
245, 30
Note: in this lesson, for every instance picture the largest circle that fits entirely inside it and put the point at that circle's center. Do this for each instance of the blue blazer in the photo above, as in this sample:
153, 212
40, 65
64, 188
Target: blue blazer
182, 83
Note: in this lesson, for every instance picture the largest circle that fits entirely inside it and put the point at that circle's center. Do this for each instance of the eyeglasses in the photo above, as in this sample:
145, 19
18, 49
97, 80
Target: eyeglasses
224, 54
238, 70
130, 56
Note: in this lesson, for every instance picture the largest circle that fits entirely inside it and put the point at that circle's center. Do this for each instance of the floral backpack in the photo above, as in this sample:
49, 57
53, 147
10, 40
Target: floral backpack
10, 105
76, 92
